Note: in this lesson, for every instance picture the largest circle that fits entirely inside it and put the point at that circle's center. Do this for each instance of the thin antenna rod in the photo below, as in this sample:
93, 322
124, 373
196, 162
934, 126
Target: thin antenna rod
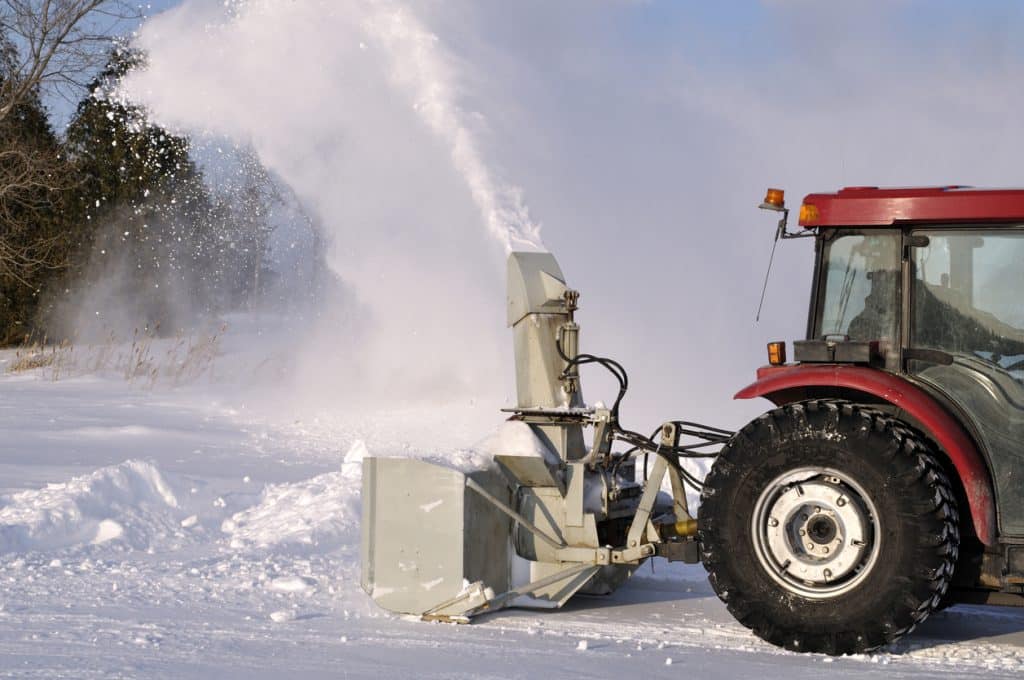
771, 258
766, 275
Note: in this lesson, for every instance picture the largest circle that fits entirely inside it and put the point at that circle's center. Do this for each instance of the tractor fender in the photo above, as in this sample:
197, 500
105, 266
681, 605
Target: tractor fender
786, 384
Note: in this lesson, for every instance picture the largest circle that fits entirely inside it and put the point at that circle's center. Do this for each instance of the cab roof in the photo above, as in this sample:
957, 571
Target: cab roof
872, 206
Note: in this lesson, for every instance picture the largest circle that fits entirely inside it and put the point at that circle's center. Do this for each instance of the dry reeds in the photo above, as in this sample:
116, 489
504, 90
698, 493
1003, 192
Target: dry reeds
187, 357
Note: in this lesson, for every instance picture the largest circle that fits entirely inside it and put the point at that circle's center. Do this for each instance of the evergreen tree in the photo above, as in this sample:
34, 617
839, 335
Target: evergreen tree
121, 205
145, 211
33, 220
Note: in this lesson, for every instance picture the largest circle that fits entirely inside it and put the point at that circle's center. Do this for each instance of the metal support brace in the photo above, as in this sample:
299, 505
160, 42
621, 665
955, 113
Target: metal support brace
633, 555
525, 523
669, 439
458, 609
650, 495
574, 494
476, 598
585, 570
585, 555
601, 419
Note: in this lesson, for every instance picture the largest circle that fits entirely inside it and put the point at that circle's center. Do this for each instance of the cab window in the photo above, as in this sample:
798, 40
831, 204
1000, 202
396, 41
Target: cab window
967, 295
860, 294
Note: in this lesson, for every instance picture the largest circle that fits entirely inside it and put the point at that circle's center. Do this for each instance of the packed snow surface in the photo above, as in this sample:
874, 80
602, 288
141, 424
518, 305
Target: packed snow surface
194, 533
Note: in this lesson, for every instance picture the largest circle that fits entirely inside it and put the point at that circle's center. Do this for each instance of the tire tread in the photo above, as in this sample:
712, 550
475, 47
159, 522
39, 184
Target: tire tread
915, 467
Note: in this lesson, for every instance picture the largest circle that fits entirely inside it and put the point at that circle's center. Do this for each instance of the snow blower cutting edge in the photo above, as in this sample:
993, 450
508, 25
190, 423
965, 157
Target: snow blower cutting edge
535, 529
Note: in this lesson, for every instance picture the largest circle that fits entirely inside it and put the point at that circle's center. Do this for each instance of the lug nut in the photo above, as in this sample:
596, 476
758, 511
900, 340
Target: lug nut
772, 522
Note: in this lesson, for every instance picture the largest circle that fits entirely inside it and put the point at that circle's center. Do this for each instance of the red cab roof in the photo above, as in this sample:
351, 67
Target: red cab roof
871, 206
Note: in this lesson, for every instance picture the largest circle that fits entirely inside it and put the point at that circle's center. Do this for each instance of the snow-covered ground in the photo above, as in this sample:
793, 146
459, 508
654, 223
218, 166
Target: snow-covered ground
195, 532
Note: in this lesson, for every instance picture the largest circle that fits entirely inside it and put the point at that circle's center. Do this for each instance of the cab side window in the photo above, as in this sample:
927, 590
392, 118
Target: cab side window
860, 297
967, 296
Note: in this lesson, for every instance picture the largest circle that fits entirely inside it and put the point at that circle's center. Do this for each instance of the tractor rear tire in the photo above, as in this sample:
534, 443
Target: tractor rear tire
827, 526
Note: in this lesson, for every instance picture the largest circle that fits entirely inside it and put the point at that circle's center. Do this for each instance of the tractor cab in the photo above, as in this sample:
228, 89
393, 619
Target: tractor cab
960, 300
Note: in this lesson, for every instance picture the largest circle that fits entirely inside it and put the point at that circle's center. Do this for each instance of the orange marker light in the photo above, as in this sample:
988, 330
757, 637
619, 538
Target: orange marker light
775, 198
809, 213
776, 353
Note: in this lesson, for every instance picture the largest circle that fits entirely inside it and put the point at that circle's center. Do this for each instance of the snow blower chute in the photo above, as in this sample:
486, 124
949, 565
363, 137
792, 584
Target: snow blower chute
532, 530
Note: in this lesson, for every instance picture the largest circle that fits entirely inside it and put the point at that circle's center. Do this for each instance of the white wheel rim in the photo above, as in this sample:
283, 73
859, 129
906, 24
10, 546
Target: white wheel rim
816, 532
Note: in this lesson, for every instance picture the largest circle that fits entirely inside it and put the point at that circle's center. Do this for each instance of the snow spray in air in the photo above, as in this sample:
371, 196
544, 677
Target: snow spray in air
356, 106
420, 68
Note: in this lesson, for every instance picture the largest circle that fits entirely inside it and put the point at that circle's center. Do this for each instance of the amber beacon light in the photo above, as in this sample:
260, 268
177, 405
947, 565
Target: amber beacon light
776, 353
774, 199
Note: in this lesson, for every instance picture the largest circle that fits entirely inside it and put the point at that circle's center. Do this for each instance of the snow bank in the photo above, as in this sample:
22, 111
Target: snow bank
317, 514
129, 504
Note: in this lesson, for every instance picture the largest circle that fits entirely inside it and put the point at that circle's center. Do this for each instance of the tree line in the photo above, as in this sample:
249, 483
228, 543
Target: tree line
112, 197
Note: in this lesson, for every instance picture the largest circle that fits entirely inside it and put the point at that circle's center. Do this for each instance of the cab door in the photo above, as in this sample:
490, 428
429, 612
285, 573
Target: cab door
966, 295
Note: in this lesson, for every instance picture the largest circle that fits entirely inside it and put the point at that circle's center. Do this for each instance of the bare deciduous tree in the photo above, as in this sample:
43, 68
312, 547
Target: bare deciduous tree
47, 47
29, 176
59, 44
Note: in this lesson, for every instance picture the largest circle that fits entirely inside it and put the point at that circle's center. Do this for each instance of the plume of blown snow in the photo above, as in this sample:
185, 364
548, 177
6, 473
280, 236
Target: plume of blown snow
360, 108
420, 68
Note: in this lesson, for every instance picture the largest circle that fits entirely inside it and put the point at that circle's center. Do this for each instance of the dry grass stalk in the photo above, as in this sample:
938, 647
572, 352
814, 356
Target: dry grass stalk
187, 359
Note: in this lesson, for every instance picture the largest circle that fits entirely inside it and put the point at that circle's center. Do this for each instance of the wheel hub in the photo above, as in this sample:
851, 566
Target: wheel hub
822, 529
815, 532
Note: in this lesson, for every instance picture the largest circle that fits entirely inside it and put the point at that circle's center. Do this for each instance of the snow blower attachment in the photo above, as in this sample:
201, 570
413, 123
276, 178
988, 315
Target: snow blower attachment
532, 530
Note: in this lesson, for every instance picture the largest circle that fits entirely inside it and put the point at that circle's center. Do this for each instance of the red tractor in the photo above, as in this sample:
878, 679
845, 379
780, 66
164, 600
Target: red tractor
888, 481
